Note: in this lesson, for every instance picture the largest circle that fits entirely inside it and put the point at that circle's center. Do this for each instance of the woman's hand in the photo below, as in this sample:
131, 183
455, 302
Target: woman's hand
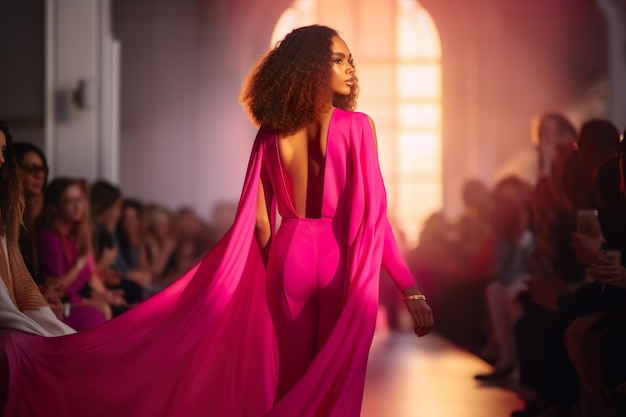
107, 257
587, 248
609, 273
422, 315
81, 262
116, 298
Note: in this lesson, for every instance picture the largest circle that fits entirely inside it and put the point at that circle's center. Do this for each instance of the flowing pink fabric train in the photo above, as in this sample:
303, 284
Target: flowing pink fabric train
205, 346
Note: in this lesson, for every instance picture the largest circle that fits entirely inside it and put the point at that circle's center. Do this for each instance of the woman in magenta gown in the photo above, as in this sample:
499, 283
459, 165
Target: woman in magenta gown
273, 322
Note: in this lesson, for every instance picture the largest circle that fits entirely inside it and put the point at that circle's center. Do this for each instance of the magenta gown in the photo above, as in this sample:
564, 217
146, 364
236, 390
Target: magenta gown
207, 345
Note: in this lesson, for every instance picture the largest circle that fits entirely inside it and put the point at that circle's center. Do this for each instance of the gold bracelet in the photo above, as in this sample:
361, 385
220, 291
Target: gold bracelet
414, 297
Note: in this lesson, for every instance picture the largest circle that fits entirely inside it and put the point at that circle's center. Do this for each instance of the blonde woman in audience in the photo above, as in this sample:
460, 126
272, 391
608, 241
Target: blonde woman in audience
161, 240
66, 255
22, 305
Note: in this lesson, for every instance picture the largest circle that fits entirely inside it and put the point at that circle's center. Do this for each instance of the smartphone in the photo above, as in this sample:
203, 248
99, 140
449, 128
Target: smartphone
587, 222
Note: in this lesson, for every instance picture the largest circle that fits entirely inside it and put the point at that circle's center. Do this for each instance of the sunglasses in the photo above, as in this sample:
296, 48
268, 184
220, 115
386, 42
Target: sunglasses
34, 169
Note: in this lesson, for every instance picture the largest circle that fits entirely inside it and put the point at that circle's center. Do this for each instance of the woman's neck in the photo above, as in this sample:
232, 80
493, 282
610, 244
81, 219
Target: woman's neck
63, 227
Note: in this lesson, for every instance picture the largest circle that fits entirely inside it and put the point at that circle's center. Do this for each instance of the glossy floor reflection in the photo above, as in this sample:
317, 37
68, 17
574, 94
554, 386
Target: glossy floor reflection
429, 377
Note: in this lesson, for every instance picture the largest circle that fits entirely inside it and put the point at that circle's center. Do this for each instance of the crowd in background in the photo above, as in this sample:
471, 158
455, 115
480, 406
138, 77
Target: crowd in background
531, 276
95, 253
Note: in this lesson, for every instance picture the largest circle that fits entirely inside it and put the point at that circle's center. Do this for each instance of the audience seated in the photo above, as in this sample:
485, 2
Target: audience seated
132, 237
106, 210
193, 241
511, 269
559, 293
161, 242
66, 255
553, 135
452, 263
554, 305
596, 342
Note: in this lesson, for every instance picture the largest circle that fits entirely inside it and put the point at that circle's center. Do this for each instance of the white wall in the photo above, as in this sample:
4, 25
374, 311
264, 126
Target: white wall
79, 48
185, 140
615, 15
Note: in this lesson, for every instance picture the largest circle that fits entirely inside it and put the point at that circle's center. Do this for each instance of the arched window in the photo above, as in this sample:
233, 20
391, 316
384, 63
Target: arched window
398, 57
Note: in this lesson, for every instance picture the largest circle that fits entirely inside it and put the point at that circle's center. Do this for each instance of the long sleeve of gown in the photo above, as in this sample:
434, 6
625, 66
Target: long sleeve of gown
393, 261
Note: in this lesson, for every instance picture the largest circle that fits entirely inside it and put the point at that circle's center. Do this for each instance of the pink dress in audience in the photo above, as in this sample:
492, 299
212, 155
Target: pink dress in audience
57, 254
206, 345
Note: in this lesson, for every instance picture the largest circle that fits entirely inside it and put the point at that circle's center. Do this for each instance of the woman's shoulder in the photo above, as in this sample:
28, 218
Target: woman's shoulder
356, 116
265, 134
365, 125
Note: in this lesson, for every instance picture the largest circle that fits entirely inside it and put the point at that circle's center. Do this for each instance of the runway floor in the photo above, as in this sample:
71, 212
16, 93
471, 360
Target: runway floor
429, 377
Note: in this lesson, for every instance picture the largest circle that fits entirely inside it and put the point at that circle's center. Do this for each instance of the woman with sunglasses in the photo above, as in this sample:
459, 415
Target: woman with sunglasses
34, 169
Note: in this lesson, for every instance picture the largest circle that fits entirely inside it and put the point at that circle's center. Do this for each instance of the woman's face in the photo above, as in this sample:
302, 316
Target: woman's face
132, 225
162, 225
343, 67
112, 215
72, 205
35, 172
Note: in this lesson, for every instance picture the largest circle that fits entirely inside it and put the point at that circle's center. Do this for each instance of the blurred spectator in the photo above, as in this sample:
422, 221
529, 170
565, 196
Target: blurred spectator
34, 168
558, 293
161, 241
511, 270
66, 255
475, 229
596, 341
597, 144
131, 233
553, 135
193, 240
106, 210
22, 306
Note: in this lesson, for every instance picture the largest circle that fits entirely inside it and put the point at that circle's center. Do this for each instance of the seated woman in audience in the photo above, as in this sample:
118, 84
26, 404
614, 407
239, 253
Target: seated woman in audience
66, 255
106, 210
161, 241
34, 168
22, 306
593, 340
193, 239
131, 234
511, 269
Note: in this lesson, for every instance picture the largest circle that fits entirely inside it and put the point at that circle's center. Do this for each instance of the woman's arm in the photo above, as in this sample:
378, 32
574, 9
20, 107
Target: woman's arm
393, 262
51, 260
395, 265
263, 227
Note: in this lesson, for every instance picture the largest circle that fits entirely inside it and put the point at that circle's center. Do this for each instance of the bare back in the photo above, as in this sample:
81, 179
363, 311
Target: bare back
303, 160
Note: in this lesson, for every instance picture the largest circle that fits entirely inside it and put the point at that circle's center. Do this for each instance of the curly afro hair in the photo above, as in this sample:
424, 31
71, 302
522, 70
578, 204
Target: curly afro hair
291, 86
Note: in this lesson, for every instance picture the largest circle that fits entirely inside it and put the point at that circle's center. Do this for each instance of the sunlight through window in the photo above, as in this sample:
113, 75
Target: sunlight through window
398, 58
